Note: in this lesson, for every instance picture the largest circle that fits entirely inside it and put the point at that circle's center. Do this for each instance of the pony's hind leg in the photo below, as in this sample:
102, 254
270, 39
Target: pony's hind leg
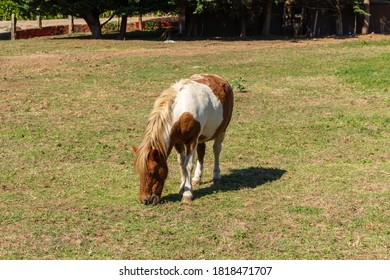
217, 147
197, 179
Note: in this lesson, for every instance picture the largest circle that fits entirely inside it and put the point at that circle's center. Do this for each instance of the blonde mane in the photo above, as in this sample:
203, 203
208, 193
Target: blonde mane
157, 128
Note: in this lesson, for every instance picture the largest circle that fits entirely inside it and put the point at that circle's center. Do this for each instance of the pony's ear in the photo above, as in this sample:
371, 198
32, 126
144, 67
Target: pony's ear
135, 149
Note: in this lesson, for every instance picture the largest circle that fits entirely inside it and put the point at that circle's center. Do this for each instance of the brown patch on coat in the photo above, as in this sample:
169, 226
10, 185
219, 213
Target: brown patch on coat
222, 89
185, 131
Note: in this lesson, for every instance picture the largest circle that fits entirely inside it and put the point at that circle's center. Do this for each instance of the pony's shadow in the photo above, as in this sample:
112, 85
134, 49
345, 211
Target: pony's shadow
252, 177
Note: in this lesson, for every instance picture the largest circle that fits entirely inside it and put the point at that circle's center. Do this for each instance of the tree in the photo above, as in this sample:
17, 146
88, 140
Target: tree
267, 18
89, 10
337, 6
193, 9
268, 4
366, 23
238, 10
141, 7
243, 10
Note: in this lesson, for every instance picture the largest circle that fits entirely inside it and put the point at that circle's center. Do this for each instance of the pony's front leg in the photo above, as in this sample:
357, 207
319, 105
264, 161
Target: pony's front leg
187, 167
197, 179
187, 191
181, 158
186, 162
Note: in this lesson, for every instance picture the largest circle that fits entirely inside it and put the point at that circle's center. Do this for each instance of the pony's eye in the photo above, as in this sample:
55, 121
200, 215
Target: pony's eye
152, 174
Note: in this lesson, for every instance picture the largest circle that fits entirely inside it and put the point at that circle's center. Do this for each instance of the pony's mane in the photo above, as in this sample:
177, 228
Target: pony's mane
158, 127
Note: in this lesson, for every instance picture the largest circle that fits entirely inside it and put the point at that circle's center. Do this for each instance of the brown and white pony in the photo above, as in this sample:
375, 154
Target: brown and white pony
185, 116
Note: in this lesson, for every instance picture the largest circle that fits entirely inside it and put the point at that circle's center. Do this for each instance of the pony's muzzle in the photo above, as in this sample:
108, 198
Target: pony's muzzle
151, 199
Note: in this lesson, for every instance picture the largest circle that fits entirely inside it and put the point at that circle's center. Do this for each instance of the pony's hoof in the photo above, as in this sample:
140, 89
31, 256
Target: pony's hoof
217, 181
186, 199
196, 182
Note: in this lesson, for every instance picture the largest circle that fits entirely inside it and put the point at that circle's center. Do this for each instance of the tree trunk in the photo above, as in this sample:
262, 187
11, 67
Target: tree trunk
366, 24
122, 32
339, 25
193, 26
243, 27
92, 19
339, 19
182, 20
267, 19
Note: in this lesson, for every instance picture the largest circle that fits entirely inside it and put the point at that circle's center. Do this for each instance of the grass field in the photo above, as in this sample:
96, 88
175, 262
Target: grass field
305, 163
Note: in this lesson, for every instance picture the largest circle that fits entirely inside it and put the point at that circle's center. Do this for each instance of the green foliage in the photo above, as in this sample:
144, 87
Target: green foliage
204, 5
359, 9
151, 26
138, 7
90, 10
239, 85
112, 26
7, 8
76, 8
231, 7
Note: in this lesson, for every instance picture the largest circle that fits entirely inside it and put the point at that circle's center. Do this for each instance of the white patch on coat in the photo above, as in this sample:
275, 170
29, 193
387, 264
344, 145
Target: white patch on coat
199, 100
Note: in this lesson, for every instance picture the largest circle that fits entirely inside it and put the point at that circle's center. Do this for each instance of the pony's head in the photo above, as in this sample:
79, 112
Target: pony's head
152, 153
152, 168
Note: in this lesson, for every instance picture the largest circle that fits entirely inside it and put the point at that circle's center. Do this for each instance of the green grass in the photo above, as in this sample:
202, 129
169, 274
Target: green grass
305, 162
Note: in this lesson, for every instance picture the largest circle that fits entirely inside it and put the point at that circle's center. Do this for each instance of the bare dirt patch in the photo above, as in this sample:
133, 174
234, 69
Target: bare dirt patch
208, 46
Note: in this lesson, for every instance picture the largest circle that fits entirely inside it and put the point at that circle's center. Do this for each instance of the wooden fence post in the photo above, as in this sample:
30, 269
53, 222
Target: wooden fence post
13, 27
39, 22
71, 24
140, 22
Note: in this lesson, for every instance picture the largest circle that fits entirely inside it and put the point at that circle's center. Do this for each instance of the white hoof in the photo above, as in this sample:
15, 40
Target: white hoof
196, 182
186, 199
